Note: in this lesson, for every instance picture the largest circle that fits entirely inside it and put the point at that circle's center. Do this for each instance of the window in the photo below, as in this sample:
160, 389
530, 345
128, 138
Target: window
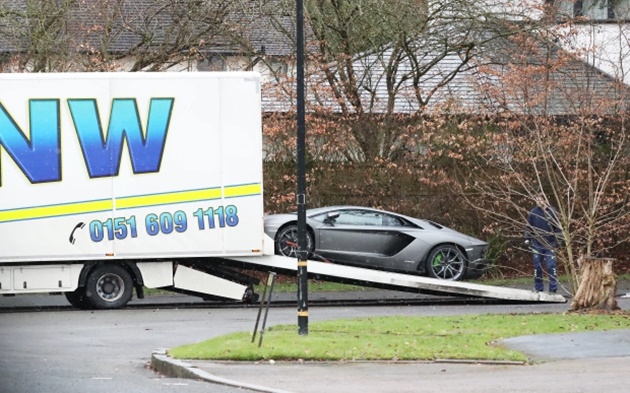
214, 63
364, 217
595, 10
278, 69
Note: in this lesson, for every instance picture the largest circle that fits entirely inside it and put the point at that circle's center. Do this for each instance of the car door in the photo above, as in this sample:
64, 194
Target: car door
360, 237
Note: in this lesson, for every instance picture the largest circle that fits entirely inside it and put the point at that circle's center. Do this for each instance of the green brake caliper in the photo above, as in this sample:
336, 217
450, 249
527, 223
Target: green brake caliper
437, 260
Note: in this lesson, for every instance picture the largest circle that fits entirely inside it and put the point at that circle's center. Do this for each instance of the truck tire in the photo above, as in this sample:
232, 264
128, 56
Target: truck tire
78, 299
109, 286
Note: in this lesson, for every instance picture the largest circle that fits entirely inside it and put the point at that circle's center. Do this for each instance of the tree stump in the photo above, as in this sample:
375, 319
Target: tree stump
598, 286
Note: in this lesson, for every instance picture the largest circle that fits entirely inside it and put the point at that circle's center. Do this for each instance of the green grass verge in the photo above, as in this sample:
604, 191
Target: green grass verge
398, 338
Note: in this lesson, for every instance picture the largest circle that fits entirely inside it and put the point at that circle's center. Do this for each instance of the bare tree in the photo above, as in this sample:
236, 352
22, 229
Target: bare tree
104, 35
168, 32
554, 126
36, 32
376, 63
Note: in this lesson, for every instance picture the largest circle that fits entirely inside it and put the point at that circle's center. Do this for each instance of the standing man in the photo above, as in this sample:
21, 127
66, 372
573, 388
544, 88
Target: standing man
542, 236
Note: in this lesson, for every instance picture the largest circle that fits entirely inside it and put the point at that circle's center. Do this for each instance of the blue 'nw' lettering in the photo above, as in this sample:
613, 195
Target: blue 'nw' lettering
102, 156
39, 155
38, 158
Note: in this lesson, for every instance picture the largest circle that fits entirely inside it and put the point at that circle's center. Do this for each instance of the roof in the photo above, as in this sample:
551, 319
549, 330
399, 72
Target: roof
573, 85
247, 27
279, 97
468, 89
119, 26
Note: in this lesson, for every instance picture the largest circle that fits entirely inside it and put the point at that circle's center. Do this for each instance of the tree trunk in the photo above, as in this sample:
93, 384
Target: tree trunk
598, 286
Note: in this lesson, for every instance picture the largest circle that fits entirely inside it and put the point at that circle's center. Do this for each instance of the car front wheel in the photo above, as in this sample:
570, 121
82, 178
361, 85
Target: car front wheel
446, 262
287, 241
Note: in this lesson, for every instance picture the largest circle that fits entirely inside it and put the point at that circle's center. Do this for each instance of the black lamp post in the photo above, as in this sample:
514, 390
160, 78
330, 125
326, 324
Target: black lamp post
302, 254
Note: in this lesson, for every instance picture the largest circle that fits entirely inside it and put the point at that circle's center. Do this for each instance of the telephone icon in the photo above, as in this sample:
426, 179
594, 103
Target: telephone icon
78, 226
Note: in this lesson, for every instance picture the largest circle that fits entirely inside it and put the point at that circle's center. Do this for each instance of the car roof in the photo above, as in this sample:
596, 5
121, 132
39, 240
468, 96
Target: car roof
318, 210
422, 223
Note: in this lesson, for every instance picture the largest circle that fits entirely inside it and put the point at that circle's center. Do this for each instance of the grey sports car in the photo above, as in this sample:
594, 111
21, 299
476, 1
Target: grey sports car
378, 239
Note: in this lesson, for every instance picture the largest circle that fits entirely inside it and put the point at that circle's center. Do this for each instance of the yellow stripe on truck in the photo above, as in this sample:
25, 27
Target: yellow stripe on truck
38, 212
243, 190
29, 213
168, 198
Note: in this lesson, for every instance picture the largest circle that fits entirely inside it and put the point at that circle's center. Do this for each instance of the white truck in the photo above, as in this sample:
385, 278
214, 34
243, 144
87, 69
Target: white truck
111, 182
116, 181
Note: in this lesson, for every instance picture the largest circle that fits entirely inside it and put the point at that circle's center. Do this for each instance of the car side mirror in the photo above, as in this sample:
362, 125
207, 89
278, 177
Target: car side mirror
331, 217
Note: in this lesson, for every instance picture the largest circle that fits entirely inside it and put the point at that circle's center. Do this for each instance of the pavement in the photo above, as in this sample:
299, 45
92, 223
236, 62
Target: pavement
571, 363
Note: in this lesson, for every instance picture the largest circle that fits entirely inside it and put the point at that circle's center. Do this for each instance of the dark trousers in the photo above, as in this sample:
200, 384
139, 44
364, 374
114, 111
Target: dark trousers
540, 254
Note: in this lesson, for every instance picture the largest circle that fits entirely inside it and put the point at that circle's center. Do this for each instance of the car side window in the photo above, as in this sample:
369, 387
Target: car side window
367, 218
358, 217
363, 218
391, 221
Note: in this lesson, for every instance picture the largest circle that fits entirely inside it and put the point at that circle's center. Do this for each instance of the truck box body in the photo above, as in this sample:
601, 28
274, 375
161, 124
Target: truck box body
129, 165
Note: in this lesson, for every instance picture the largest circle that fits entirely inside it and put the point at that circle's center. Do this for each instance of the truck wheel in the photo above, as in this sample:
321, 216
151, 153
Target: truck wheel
109, 286
78, 299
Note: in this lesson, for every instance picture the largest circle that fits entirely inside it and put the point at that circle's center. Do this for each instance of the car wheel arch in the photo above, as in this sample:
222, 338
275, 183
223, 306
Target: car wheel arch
286, 224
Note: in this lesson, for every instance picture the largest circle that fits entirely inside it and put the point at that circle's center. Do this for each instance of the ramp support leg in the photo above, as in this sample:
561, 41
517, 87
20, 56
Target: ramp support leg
266, 299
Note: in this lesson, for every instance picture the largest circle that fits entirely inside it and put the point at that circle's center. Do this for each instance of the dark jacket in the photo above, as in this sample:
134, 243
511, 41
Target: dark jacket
542, 228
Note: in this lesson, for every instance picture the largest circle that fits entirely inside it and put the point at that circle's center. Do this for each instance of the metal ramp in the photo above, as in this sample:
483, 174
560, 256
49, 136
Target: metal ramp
396, 281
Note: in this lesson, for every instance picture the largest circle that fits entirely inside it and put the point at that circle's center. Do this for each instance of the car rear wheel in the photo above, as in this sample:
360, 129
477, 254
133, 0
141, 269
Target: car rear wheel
446, 262
287, 241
